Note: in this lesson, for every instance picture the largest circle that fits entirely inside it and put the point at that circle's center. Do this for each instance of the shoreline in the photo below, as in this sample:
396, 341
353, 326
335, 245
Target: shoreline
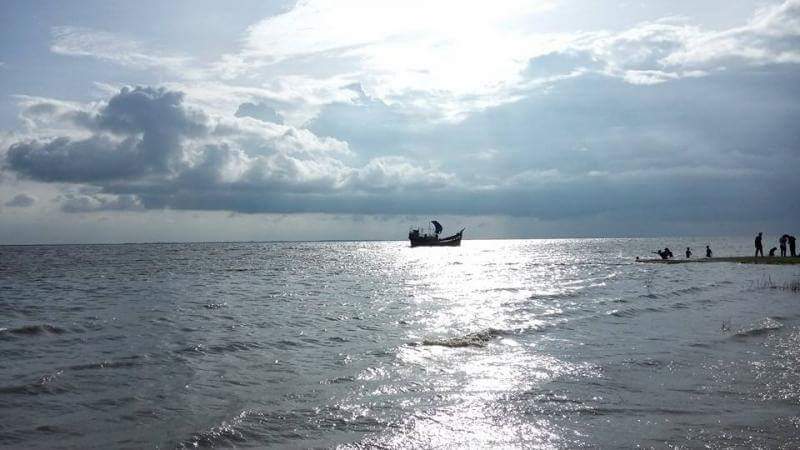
772, 260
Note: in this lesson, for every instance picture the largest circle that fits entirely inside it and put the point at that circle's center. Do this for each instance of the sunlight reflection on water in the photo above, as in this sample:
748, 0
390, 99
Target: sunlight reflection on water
471, 290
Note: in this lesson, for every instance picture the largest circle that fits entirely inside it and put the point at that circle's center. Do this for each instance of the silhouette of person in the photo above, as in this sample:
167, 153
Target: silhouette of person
708, 252
782, 243
759, 246
664, 254
688, 253
772, 251
792, 242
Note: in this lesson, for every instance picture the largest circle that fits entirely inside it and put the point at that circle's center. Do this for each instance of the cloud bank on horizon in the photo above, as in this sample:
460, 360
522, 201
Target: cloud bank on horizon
471, 109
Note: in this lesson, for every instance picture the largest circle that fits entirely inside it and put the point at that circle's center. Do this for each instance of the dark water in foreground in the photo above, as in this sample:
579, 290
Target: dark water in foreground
493, 344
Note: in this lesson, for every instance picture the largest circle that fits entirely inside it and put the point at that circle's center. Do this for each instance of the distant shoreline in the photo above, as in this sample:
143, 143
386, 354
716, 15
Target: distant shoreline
513, 238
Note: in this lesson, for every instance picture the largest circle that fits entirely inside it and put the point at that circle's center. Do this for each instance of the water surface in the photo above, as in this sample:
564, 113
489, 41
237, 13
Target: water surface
520, 343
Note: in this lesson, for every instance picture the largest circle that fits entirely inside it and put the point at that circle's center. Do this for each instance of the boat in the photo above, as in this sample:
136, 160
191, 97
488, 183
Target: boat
423, 238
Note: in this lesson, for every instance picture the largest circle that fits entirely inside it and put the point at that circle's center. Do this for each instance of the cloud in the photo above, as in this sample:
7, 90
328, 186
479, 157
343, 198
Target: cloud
87, 203
21, 201
138, 132
452, 59
459, 55
392, 173
476, 115
147, 149
260, 111
666, 50
443, 61
95, 159
772, 36
107, 46
599, 143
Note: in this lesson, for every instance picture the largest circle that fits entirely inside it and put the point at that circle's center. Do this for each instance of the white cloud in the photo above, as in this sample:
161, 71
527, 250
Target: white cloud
460, 55
438, 60
656, 52
772, 36
445, 60
397, 173
104, 45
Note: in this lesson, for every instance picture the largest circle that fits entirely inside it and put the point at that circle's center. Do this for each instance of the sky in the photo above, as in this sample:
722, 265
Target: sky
357, 119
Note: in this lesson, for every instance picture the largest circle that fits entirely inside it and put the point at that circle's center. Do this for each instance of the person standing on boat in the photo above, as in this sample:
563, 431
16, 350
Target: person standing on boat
782, 244
708, 251
759, 246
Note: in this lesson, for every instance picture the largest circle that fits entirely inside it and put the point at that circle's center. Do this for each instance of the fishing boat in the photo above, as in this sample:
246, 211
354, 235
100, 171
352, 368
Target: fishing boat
423, 238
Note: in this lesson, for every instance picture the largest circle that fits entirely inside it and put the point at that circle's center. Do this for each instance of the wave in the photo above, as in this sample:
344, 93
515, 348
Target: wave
652, 363
215, 305
565, 294
338, 380
477, 339
676, 292
32, 330
280, 428
759, 328
131, 362
633, 312
226, 434
231, 347
43, 386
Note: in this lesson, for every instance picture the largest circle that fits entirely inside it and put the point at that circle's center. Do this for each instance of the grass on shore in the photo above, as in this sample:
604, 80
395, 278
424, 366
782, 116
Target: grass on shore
776, 260
792, 286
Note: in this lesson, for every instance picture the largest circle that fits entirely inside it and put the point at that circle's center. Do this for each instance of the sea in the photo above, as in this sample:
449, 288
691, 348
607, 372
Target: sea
495, 344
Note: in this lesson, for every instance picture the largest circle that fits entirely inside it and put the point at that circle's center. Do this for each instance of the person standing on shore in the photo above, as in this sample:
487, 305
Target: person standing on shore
664, 254
688, 253
708, 251
782, 244
792, 241
759, 246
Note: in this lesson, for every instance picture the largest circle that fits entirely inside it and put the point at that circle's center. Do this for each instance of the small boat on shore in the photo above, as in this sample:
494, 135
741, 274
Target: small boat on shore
423, 238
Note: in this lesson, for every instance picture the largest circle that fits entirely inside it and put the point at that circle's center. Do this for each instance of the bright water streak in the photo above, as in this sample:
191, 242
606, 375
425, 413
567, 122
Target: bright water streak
493, 344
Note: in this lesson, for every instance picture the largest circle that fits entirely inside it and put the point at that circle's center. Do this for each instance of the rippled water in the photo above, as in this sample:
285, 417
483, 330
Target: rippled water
524, 343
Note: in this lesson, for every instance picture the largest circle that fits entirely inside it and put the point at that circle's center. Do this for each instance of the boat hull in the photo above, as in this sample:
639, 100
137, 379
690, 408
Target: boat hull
450, 241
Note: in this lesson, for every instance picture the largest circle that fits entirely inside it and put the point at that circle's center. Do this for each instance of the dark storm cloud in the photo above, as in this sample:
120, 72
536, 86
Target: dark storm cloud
145, 143
158, 115
89, 160
21, 201
715, 147
139, 132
